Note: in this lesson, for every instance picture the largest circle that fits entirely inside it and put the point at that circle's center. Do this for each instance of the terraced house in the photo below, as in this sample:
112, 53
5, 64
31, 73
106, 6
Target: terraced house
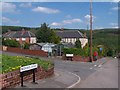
70, 36
21, 36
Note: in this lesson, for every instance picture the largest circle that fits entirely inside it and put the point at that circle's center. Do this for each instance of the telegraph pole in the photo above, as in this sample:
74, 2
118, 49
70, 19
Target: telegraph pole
91, 57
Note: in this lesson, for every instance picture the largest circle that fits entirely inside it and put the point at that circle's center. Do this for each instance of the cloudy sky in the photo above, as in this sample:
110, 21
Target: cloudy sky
60, 14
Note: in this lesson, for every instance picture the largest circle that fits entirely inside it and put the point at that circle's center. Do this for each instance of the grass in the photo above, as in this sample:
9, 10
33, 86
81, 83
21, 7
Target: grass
11, 63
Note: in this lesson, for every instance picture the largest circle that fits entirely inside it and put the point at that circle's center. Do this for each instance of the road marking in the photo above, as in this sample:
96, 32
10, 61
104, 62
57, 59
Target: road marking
79, 79
95, 65
91, 68
99, 65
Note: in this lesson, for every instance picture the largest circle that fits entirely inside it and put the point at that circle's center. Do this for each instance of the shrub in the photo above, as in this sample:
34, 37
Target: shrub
78, 44
11, 43
26, 46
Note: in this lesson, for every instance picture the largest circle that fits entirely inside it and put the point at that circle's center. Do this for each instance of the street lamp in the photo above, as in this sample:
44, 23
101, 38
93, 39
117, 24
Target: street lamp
91, 57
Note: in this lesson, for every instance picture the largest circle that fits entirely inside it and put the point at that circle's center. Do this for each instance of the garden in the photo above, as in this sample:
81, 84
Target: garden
11, 63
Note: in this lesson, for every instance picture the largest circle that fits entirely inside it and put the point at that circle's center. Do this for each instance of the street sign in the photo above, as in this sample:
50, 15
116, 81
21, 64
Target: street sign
69, 55
29, 67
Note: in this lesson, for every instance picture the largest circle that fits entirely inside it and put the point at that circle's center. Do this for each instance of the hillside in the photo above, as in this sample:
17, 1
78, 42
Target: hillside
106, 37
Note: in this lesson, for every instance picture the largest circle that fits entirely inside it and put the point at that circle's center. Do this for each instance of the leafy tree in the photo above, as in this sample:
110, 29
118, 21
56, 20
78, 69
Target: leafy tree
26, 46
54, 38
45, 34
11, 43
78, 44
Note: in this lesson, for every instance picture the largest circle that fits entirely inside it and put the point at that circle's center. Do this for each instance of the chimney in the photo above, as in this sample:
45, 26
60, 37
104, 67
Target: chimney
85, 35
23, 31
9, 30
62, 29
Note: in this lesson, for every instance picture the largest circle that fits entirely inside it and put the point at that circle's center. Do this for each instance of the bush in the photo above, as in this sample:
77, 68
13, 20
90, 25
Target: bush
11, 43
26, 46
78, 44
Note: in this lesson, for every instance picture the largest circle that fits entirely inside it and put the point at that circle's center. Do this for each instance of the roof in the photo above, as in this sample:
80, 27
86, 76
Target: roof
69, 34
44, 44
18, 34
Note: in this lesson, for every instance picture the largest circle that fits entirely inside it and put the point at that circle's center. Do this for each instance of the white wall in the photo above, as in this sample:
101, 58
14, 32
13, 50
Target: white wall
33, 40
73, 40
83, 41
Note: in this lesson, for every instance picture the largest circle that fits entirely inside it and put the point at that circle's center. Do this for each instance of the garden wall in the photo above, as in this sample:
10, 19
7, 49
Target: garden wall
11, 79
27, 51
80, 58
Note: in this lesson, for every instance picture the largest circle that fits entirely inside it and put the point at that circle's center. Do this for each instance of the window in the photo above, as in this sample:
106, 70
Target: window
23, 39
17, 39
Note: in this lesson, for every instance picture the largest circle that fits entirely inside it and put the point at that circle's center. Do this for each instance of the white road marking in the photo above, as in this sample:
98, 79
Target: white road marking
95, 65
79, 79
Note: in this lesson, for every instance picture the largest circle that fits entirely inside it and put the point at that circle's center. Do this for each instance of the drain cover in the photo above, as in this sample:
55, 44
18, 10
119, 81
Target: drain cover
76, 71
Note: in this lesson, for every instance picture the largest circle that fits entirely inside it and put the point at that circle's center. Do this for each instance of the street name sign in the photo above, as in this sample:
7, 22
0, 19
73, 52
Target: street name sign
69, 55
28, 67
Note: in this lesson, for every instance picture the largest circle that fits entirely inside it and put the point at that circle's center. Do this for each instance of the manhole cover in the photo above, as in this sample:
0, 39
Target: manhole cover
76, 71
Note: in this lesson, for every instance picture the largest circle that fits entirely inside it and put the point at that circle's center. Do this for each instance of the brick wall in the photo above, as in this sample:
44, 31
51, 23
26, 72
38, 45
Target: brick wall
80, 58
27, 51
11, 79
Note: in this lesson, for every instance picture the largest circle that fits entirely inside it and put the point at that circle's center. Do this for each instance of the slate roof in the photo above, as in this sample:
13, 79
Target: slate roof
18, 34
69, 34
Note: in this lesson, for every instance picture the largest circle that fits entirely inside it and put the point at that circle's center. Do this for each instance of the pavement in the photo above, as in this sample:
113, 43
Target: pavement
61, 79
105, 77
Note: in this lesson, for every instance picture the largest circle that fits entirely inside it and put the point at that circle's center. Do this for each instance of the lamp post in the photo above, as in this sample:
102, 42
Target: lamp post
91, 57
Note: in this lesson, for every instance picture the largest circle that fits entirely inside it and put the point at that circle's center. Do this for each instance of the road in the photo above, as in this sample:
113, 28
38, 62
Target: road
91, 74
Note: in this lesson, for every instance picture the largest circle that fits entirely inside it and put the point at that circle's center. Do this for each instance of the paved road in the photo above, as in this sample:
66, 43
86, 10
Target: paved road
85, 70
105, 77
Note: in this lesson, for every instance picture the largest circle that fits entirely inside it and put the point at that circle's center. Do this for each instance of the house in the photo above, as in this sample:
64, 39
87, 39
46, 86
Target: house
21, 36
47, 47
70, 36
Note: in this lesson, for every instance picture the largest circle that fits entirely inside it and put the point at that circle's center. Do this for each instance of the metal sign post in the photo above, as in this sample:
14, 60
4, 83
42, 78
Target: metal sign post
21, 74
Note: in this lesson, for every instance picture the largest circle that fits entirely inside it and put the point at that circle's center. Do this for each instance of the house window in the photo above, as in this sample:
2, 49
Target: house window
17, 39
23, 39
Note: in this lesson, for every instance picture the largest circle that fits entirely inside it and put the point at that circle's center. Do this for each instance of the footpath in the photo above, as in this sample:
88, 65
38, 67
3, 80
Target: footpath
105, 77
61, 79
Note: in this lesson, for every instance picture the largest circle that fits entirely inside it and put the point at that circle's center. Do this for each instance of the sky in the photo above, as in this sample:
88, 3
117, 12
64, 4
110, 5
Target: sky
73, 15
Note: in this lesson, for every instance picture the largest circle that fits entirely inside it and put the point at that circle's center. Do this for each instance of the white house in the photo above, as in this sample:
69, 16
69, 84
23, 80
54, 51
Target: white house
70, 36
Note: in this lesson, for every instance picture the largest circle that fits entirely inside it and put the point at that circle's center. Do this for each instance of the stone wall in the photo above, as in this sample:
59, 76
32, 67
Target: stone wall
11, 79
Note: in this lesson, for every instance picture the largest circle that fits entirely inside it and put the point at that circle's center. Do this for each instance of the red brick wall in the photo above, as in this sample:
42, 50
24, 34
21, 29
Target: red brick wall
29, 52
12, 79
80, 58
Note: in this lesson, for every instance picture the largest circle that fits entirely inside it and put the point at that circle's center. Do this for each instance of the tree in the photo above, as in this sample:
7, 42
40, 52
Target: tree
78, 44
26, 46
45, 34
54, 38
11, 43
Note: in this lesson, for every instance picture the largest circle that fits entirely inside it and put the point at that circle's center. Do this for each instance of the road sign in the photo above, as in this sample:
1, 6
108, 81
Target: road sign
28, 67
69, 55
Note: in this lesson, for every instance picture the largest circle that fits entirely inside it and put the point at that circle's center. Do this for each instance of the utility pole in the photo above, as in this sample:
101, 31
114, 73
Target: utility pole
91, 57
